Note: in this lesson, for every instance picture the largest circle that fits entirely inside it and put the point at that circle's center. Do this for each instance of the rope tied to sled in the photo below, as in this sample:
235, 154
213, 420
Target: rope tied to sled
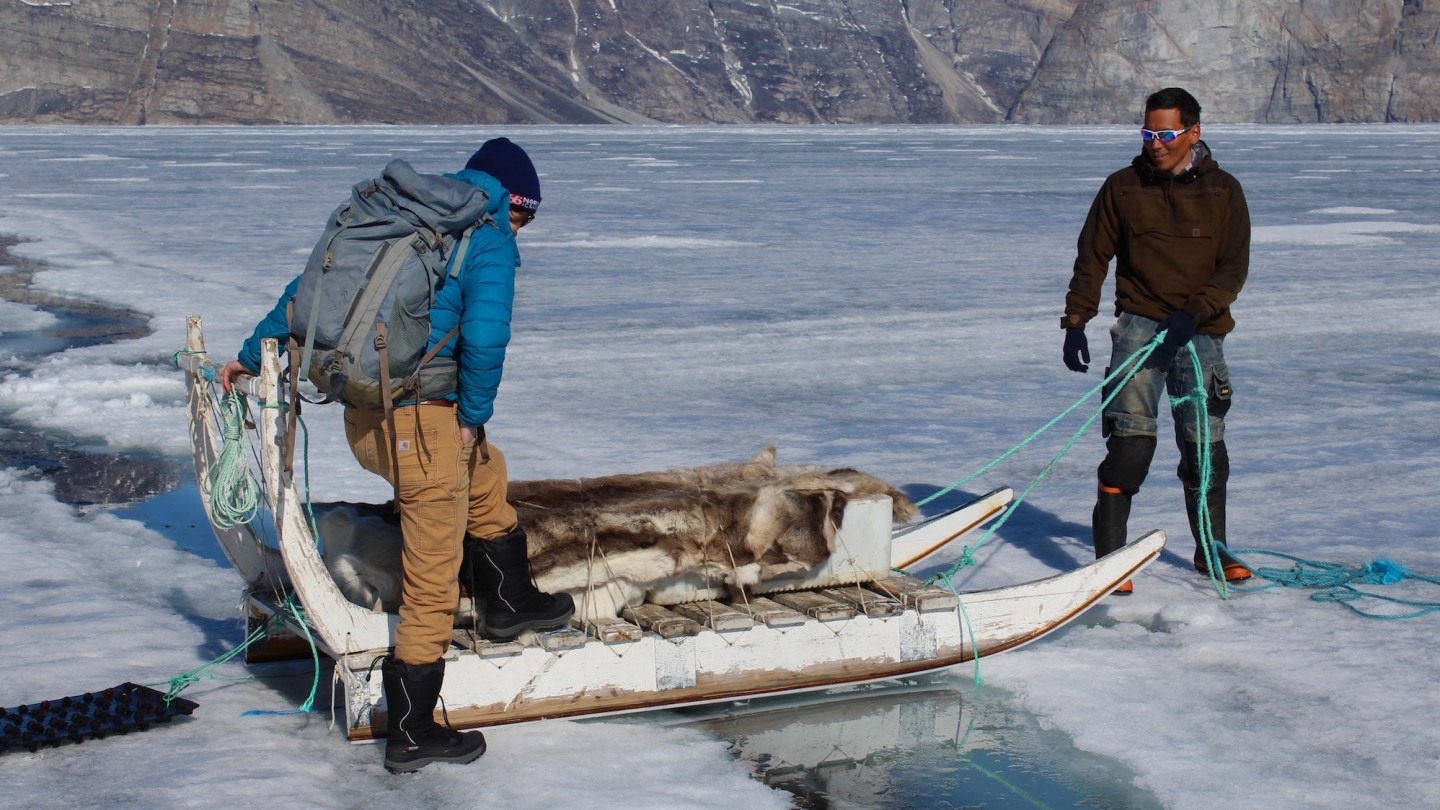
234, 493
264, 630
1124, 372
1335, 581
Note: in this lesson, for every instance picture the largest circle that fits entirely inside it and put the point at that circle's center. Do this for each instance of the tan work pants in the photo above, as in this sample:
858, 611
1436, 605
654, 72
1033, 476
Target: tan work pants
445, 490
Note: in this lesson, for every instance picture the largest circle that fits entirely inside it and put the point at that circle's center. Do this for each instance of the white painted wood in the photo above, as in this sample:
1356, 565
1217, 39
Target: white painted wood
339, 625
911, 546
257, 563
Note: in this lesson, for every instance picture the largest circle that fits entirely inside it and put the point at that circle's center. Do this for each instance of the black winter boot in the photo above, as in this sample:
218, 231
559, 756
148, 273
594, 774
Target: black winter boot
415, 739
1108, 524
1232, 569
512, 602
1127, 462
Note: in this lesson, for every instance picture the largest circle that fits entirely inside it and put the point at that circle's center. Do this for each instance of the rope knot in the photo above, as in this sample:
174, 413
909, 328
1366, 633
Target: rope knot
1384, 572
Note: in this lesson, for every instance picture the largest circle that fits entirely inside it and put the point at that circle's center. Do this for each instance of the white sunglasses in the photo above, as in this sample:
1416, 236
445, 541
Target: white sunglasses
1163, 135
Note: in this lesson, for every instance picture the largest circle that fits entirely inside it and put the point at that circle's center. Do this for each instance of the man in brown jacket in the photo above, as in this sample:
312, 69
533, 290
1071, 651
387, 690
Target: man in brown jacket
1179, 231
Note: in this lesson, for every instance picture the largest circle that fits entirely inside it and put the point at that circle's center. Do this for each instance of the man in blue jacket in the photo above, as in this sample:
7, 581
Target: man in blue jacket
450, 482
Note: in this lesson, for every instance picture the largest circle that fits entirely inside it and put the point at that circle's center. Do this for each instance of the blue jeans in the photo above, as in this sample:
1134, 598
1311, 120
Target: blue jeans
1135, 410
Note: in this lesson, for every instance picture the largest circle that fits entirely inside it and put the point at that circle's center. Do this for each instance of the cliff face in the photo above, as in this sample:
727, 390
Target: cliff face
725, 61
1272, 61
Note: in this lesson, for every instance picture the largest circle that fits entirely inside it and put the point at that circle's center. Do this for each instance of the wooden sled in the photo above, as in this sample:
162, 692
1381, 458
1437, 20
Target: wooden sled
656, 657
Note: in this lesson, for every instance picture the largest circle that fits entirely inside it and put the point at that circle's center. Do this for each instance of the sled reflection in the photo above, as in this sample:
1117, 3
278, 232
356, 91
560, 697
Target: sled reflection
922, 745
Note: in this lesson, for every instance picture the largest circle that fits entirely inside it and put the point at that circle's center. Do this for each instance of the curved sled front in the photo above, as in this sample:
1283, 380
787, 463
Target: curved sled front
914, 546
654, 656
294, 564
257, 563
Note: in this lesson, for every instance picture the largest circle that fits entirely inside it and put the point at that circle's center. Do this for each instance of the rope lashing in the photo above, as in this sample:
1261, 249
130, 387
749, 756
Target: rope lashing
204, 370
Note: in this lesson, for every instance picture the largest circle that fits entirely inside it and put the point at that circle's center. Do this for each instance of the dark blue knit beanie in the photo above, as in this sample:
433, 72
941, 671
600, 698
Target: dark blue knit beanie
509, 164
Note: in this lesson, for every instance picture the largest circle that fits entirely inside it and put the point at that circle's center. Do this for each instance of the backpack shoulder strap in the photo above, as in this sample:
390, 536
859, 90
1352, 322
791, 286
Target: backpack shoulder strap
457, 262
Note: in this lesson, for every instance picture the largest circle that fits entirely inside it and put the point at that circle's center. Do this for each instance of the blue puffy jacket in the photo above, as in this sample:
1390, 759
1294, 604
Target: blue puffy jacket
480, 299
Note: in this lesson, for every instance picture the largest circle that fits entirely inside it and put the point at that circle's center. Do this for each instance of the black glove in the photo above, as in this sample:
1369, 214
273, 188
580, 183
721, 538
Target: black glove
1077, 350
1179, 327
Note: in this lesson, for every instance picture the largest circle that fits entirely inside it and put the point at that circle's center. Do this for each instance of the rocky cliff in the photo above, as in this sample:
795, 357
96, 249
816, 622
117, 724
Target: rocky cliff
715, 61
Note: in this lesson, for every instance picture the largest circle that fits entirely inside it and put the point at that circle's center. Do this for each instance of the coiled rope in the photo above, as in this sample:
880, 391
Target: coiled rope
234, 493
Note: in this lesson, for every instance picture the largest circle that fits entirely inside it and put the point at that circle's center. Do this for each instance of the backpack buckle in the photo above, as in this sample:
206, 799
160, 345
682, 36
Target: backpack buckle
429, 240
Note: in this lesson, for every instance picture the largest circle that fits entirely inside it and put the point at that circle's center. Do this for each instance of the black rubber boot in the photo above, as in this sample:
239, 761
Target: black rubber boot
1217, 524
1108, 524
1219, 475
415, 739
512, 602
1127, 462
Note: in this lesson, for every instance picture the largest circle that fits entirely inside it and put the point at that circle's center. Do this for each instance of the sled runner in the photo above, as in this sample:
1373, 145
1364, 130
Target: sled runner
823, 628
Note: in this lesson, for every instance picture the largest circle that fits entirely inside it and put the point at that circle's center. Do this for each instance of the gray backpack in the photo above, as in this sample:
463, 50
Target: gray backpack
360, 318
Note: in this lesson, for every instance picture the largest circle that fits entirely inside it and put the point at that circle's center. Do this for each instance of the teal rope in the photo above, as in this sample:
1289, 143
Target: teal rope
1334, 582
1210, 548
1335, 579
1337, 583
305, 459
182, 681
235, 500
309, 705
234, 495
1129, 363
1124, 372
206, 671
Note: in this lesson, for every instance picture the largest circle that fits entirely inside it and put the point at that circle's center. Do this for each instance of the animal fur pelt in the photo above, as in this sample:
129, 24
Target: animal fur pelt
608, 541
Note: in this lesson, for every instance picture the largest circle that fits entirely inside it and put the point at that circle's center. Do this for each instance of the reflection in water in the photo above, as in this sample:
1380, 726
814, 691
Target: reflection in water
940, 743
